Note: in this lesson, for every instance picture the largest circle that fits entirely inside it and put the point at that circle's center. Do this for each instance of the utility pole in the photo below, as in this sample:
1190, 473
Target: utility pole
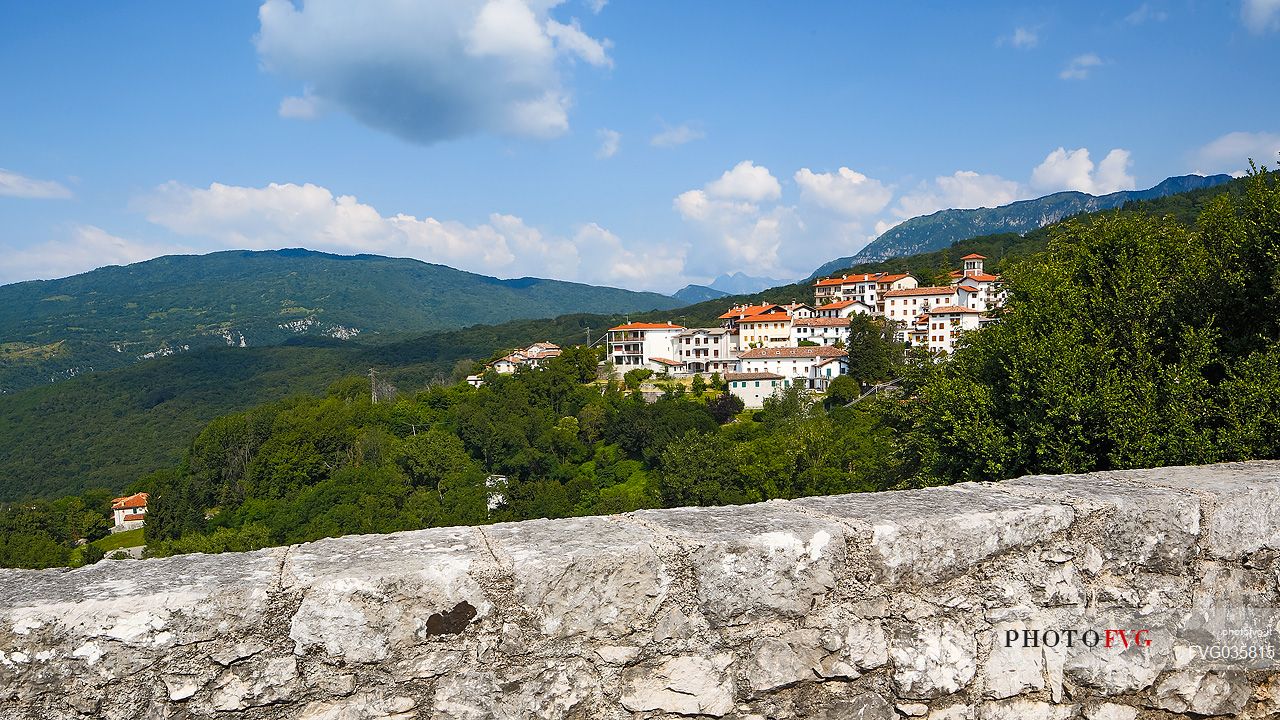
588, 336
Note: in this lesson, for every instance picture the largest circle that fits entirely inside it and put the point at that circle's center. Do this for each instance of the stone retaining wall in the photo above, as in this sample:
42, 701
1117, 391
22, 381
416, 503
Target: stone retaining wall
858, 607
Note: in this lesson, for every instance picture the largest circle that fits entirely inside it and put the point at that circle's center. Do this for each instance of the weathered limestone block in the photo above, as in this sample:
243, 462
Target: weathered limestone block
1244, 499
755, 562
1110, 711
687, 685
1025, 710
1217, 692
786, 660
932, 658
925, 536
596, 575
259, 682
1012, 669
1137, 525
367, 597
364, 706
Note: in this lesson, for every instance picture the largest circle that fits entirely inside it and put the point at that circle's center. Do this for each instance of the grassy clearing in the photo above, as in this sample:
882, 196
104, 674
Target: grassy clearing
128, 538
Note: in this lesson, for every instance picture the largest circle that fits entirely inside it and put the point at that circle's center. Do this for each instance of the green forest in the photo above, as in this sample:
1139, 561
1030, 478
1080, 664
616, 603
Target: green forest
1128, 340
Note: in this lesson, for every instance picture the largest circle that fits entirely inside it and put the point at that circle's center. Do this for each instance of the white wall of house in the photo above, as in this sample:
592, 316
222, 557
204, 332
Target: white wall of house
821, 374
906, 308
706, 350
753, 392
822, 334
945, 326
632, 346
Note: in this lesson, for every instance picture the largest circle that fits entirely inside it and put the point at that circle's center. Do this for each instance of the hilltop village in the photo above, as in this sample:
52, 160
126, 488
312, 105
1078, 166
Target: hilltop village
761, 348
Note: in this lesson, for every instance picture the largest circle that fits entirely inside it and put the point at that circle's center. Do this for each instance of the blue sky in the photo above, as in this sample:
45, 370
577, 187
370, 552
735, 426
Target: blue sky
642, 145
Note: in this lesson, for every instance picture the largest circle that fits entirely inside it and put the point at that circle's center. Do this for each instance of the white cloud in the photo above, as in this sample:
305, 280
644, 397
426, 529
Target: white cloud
596, 5
1080, 66
746, 181
844, 191
288, 215
14, 185
963, 189
300, 107
609, 142
1261, 16
1065, 169
1023, 38
429, 71
1145, 13
678, 135
570, 38
1231, 152
650, 266
85, 248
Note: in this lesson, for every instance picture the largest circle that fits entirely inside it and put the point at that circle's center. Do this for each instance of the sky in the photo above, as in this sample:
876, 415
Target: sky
643, 145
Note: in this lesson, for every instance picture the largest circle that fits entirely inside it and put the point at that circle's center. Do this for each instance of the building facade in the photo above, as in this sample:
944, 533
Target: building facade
129, 512
643, 345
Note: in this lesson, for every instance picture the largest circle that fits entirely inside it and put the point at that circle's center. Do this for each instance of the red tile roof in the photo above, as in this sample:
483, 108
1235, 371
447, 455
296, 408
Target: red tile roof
983, 277
944, 309
134, 516
746, 310
973, 256
137, 500
648, 326
772, 317
731, 376
932, 290
892, 278
666, 361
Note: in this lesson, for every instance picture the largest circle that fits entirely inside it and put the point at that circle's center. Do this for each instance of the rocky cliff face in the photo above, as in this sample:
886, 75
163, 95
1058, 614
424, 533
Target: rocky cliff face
870, 607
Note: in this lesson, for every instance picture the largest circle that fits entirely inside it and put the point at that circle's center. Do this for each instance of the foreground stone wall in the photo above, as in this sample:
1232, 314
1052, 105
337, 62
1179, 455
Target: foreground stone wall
858, 607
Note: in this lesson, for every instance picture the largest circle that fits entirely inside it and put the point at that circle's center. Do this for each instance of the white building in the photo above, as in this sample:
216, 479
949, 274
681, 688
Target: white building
906, 305
945, 324
769, 329
792, 363
844, 309
975, 288
643, 345
129, 512
866, 288
820, 330
753, 387
706, 350
821, 374
533, 356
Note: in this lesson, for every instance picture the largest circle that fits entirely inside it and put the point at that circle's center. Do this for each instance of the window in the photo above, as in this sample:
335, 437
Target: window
757, 383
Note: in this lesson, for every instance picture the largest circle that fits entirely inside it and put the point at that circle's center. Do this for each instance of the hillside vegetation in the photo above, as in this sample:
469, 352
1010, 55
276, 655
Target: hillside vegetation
1129, 341
107, 429
51, 330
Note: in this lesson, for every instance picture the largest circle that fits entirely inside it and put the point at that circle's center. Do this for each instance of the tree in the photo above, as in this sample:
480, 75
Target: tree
842, 391
725, 407
871, 350
633, 378
1130, 342
697, 386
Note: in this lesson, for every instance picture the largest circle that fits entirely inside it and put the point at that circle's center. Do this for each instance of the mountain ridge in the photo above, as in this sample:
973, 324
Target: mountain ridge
943, 228
121, 314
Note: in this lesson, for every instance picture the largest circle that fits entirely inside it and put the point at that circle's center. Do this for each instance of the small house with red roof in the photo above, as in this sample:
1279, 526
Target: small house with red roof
129, 512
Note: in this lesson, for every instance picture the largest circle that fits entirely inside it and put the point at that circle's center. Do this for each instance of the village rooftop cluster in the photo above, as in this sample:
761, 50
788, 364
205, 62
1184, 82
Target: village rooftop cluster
761, 348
